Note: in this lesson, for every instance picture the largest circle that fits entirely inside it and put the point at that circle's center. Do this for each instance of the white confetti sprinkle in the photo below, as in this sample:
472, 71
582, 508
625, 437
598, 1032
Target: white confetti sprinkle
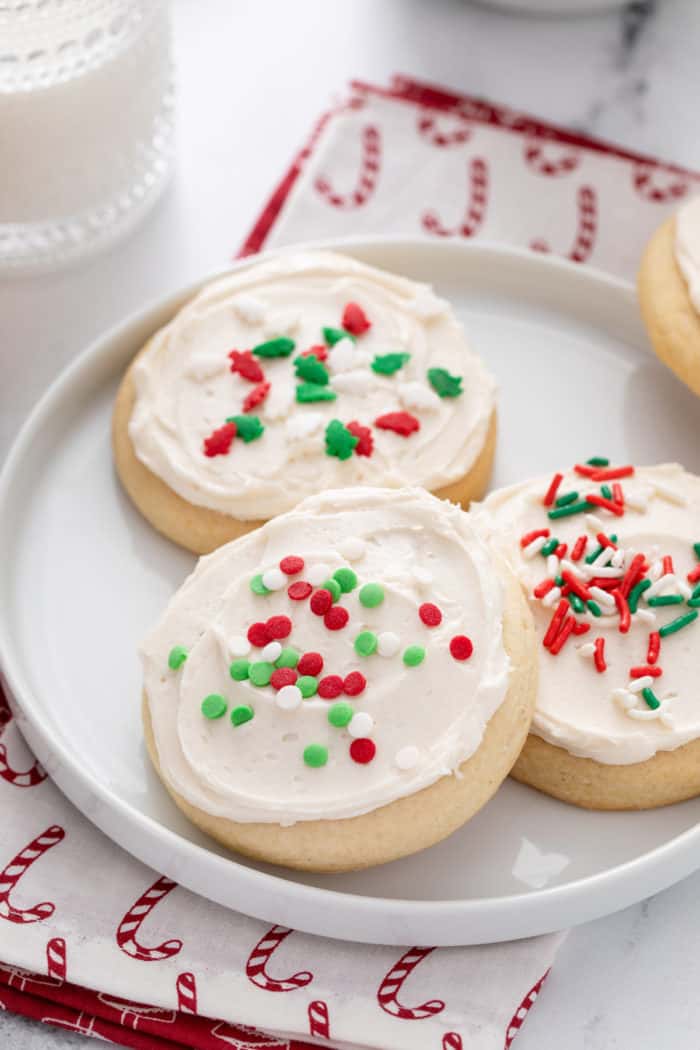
288, 697
278, 402
552, 565
274, 579
352, 548
587, 650
361, 724
388, 643
624, 699
670, 494
418, 395
341, 357
271, 652
205, 366
317, 573
357, 383
594, 523
249, 308
238, 645
637, 684
551, 597
304, 425
534, 547
407, 757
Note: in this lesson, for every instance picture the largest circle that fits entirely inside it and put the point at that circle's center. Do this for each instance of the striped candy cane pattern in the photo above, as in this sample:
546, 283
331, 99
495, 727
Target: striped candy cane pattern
586, 230
24, 778
658, 184
14, 871
259, 957
537, 153
56, 962
523, 1010
365, 185
130, 924
390, 987
452, 1041
429, 129
475, 211
319, 1021
186, 988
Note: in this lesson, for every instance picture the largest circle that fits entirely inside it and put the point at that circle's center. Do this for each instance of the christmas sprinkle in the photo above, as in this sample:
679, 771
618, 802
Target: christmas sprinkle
339, 441
365, 441
239, 670
340, 714
307, 393
355, 319
214, 706
402, 423
366, 643
177, 657
219, 441
260, 673
361, 725
363, 750
461, 647
444, 384
257, 586
246, 366
311, 369
334, 335
430, 615
307, 685
414, 655
249, 428
241, 714
280, 347
315, 755
387, 364
256, 396
371, 595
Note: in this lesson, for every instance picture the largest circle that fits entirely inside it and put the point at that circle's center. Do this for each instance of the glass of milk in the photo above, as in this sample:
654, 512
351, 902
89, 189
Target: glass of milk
85, 124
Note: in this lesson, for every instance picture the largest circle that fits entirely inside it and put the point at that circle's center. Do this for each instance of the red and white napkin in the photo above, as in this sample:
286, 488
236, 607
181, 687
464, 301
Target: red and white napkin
87, 932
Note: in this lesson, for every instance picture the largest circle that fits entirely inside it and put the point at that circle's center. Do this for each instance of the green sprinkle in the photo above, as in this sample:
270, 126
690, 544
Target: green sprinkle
347, 579
594, 607
366, 643
340, 713
696, 548
387, 364
339, 441
214, 706
307, 685
696, 592
677, 625
566, 512
257, 586
261, 673
315, 755
694, 603
331, 336
307, 393
371, 595
247, 427
636, 593
177, 657
280, 347
566, 499
651, 699
311, 369
239, 670
550, 547
287, 658
241, 714
666, 599
334, 587
576, 603
559, 580
444, 384
606, 491
414, 655
598, 461
590, 558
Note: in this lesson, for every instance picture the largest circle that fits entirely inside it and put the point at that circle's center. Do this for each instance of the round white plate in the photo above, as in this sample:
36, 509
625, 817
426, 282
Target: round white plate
82, 576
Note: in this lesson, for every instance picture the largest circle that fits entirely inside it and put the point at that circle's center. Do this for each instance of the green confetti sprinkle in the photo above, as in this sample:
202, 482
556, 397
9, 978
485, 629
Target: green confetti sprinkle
311, 369
241, 714
694, 603
340, 713
666, 599
257, 586
594, 607
347, 579
443, 383
287, 658
677, 625
371, 595
366, 643
339, 441
414, 655
566, 512
331, 336
651, 699
696, 548
598, 461
315, 755
177, 657
239, 670
606, 491
387, 364
214, 706
550, 547
559, 580
260, 673
334, 587
636, 593
307, 685
566, 499
280, 347
247, 427
576, 603
307, 393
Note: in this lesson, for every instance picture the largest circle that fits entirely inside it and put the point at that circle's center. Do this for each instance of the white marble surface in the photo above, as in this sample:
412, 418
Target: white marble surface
252, 76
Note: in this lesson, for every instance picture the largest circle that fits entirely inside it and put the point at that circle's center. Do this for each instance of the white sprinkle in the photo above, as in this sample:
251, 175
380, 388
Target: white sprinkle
656, 570
605, 571
683, 588
205, 366
388, 643
604, 558
407, 757
594, 523
575, 570
361, 724
534, 547
552, 565
278, 402
418, 395
284, 322
274, 579
670, 494
316, 574
647, 714
587, 650
249, 308
637, 684
239, 646
624, 699
423, 577
645, 615
618, 559
352, 548
357, 383
271, 652
552, 597
638, 500
288, 697
602, 597
341, 357
668, 580
304, 425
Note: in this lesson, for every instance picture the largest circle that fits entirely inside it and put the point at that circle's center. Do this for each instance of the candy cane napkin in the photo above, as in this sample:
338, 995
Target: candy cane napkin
86, 931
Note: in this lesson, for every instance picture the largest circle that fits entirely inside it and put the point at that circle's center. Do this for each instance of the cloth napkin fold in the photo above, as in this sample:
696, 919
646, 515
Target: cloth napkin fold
87, 933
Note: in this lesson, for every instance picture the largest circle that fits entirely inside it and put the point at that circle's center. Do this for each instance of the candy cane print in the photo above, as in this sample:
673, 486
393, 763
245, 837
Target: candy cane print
391, 986
370, 163
56, 969
523, 1010
587, 210
25, 778
539, 160
319, 1021
240, 1037
258, 959
429, 130
5, 713
659, 184
130, 924
452, 1041
56, 963
186, 987
131, 1013
14, 871
477, 202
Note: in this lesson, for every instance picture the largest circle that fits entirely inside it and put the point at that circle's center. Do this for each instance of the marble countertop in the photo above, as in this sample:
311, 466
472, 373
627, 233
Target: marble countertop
247, 97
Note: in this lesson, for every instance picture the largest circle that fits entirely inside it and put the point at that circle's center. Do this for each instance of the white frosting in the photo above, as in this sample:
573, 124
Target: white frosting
181, 395
425, 720
602, 715
687, 247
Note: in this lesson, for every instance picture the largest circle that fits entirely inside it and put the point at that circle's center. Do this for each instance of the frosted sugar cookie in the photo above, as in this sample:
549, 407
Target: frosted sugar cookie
610, 559
343, 686
292, 376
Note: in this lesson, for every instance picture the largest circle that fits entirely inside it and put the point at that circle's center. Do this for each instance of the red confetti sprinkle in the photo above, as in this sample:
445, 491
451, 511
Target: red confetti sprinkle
579, 548
642, 672
363, 750
330, 687
599, 655
355, 319
584, 470
311, 664
534, 535
606, 504
430, 614
291, 565
354, 683
321, 602
402, 423
611, 473
299, 590
618, 495
605, 541
560, 551
219, 441
635, 570
551, 492
543, 588
279, 627
461, 647
667, 564
581, 628
560, 640
259, 635
606, 583
256, 396
283, 676
320, 352
576, 586
694, 575
654, 647
243, 362
555, 623
365, 444
336, 618
624, 611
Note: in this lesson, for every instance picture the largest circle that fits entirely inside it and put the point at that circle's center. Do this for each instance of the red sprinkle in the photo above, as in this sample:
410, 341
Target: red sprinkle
243, 362
585, 471
579, 548
291, 565
618, 494
605, 541
310, 664
355, 319
321, 602
555, 623
430, 614
363, 750
402, 423
354, 683
623, 609
606, 583
534, 535
461, 647
365, 444
667, 564
561, 550
336, 618
551, 492
576, 586
599, 655
654, 647
279, 627
283, 676
694, 575
635, 570
641, 672
560, 640
219, 441
330, 687
610, 473
259, 635
299, 590
543, 588
320, 352
581, 628
256, 396
606, 504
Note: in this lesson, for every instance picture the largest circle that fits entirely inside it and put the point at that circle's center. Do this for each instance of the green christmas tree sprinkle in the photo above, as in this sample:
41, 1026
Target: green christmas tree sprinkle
443, 383
280, 347
339, 441
331, 336
247, 427
311, 369
387, 364
309, 392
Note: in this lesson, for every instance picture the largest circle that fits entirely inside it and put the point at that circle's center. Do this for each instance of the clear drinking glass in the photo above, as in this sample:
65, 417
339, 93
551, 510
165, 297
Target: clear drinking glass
85, 124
